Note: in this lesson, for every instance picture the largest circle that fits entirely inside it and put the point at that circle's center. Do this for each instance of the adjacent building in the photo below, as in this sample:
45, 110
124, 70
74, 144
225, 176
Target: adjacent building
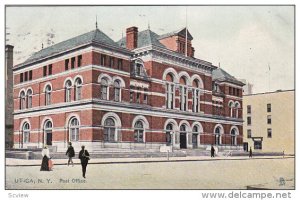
143, 91
269, 121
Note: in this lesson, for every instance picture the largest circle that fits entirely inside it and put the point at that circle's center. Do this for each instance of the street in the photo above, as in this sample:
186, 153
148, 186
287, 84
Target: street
209, 174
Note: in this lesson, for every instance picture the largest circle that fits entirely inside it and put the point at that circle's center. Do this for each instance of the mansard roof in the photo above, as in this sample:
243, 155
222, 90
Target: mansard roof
181, 32
145, 38
96, 36
222, 76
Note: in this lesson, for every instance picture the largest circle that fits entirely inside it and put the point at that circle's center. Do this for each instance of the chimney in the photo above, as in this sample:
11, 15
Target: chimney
131, 37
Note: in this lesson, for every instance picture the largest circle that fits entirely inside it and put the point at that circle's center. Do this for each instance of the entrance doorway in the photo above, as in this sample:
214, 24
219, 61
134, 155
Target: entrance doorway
182, 140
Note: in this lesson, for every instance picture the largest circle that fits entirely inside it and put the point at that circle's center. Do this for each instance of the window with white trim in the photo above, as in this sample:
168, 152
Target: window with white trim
22, 100
29, 98
117, 90
104, 89
139, 131
26, 132
78, 88
109, 130
74, 129
68, 88
48, 91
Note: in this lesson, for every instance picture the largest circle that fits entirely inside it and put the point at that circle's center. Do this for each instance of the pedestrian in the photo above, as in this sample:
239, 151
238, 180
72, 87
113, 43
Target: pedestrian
212, 151
250, 153
70, 153
84, 157
45, 160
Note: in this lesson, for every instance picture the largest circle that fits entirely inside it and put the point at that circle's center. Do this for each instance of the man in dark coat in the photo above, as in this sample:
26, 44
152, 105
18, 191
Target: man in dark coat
250, 153
84, 157
212, 151
70, 153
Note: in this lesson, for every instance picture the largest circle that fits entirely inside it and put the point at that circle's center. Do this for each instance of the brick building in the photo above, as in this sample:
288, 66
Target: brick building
144, 91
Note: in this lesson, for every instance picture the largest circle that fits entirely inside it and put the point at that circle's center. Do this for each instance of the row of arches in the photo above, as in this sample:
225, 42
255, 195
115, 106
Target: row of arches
234, 106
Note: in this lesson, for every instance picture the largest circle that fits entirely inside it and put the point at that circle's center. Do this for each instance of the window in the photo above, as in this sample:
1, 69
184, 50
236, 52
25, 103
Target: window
79, 60
145, 96
138, 69
248, 109
67, 64
22, 100
258, 144
233, 137
269, 119
73, 63
170, 91
74, 129
138, 97
26, 133
268, 107
169, 134
249, 134
21, 78
78, 87
45, 71
231, 105
269, 133
29, 99
218, 136
139, 131
68, 88
48, 95
48, 132
120, 63
26, 76
109, 130
248, 120
117, 89
111, 62
196, 95
103, 60
104, 89
50, 70
30, 75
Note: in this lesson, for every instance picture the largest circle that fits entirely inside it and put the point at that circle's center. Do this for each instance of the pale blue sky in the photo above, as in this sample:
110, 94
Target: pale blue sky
244, 39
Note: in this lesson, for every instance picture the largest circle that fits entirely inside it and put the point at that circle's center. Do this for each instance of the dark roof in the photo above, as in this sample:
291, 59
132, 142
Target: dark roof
145, 38
221, 75
92, 36
181, 32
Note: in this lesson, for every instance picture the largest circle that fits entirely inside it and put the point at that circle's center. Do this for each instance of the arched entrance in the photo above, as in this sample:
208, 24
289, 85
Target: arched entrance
183, 137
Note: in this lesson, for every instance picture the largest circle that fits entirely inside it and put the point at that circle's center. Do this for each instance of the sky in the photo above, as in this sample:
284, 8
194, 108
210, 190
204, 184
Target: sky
255, 43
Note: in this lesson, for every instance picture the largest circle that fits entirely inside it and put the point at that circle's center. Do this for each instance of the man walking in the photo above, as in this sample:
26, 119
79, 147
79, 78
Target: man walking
212, 151
70, 153
84, 157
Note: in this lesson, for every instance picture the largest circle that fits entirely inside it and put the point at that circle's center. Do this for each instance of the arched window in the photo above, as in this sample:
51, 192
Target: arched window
233, 136
196, 96
29, 98
48, 91
68, 87
218, 136
26, 132
170, 89
104, 89
22, 100
139, 68
109, 130
195, 136
237, 107
231, 108
117, 90
48, 132
169, 134
139, 131
74, 129
183, 93
78, 86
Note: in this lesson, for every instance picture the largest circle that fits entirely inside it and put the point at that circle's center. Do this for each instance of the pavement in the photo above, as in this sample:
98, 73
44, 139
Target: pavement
10, 162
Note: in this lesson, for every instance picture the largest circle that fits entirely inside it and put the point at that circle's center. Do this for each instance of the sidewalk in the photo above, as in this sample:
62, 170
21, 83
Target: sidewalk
21, 162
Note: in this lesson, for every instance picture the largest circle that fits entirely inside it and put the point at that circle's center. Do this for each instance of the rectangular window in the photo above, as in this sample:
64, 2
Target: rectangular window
269, 119
26, 76
67, 64
248, 109
131, 96
145, 96
111, 62
21, 78
45, 71
79, 59
257, 144
268, 107
50, 70
269, 133
30, 75
138, 97
249, 134
248, 120
120, 63
72, 63
230, 90
102, 61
